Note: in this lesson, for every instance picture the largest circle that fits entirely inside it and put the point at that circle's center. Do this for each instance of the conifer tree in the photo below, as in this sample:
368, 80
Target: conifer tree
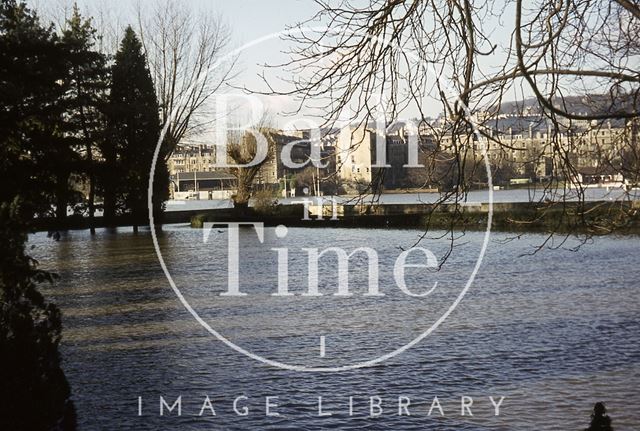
85, 98
31, 72
134, 129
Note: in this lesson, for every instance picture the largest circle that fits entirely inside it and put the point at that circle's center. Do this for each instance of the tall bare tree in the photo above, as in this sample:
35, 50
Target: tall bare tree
182, 45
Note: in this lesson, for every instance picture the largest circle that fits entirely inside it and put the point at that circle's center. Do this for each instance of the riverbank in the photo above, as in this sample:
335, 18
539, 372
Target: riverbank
520, 212
599, 217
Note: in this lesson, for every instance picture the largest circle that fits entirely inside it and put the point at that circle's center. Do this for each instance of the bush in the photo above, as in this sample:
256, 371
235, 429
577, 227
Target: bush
34, 392
265, 202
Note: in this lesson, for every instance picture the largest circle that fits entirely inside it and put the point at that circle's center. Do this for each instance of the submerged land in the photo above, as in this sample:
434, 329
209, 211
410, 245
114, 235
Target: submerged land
594, 217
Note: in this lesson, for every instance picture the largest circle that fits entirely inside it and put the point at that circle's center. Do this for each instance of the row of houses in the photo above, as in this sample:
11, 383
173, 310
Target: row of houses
360, 155
195, 175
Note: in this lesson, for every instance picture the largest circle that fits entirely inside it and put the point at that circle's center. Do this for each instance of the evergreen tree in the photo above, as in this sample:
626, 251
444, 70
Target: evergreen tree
134, 129
34, 393
31, 72
85, 99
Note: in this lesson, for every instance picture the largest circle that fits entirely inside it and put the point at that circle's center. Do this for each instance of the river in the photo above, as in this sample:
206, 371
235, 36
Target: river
476, 196
552, 332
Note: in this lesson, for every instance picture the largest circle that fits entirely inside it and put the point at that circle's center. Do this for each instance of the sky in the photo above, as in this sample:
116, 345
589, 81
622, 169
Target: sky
248, 20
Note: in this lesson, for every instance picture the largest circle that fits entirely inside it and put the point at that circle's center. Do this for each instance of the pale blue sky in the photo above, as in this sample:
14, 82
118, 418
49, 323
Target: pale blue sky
248, 20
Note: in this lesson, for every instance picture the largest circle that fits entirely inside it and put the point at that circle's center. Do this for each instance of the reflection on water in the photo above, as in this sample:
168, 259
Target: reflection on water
553, 332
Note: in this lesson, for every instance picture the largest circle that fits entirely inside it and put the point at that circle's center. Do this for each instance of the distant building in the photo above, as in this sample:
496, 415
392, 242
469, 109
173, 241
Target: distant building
599, 177
359, 164
273, 170
191, 158
530, 143
300, 148
355, 155
204, 185
524, 146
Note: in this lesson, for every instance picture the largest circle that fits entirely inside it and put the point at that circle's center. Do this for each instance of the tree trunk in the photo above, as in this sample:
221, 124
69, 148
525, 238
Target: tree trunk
109, 181
241, 209
242, 196
92, 191
62, 198
92, 197
109, 203
135, 217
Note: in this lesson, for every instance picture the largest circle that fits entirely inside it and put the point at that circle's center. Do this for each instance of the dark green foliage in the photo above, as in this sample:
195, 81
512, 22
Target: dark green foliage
134, 128
32, 70
34, 159
63, 135
84, 101
34, 394
60, 132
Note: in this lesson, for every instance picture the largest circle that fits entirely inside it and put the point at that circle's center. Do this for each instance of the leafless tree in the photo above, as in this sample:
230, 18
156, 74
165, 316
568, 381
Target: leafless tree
183, 47
108, 21
349, 56
242, 148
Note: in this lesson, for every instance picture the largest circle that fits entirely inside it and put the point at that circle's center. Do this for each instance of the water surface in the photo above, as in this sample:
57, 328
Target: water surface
553, 332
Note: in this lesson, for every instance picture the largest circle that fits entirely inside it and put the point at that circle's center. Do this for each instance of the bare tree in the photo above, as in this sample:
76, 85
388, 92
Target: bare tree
408, 53
242, 148
107, 20
183, 45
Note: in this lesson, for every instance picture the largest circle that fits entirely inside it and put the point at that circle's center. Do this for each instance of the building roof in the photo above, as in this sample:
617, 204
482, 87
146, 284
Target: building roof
599, 170
518, 125
214, 175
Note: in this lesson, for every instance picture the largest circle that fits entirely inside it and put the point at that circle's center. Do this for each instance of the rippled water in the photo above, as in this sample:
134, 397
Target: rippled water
553, 332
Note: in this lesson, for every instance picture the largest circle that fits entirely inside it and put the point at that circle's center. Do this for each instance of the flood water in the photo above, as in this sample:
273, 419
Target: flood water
552, 332
477, 196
